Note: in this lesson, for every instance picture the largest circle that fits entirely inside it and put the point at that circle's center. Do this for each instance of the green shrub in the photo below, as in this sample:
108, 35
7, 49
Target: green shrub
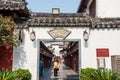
19, 74
6, 75
85, 74
22, 74
97, 74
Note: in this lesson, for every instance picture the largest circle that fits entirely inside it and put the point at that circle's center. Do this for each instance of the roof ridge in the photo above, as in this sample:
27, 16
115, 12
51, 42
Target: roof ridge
42, 14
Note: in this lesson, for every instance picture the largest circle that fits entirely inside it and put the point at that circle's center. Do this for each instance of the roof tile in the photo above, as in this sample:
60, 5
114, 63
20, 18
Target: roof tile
71, 20
12, 4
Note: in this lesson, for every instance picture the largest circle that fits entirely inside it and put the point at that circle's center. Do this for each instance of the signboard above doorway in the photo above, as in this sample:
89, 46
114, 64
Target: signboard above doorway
59, 33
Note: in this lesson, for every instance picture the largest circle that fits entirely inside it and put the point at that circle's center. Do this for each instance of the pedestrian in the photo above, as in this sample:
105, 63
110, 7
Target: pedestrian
41, 67
56, 67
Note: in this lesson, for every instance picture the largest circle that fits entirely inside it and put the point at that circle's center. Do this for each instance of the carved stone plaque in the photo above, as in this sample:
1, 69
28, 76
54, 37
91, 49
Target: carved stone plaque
59, 33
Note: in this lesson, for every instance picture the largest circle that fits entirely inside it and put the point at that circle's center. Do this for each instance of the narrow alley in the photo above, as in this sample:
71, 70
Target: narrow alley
64, 73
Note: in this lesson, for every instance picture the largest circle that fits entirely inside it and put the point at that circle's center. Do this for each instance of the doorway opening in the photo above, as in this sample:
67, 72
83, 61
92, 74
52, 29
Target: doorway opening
67, 53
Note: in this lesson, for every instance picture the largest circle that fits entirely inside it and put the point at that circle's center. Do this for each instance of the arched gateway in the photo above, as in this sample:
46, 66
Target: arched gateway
58, 28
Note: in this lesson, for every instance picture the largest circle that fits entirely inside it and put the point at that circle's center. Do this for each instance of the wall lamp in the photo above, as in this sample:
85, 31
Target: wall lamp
85, 35
32, 35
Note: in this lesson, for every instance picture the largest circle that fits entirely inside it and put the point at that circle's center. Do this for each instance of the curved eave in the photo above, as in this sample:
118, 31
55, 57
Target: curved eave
18, 6
12, 5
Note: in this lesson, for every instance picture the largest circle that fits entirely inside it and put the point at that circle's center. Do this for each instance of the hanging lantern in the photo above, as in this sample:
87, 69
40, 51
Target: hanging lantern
32, 35
85, 35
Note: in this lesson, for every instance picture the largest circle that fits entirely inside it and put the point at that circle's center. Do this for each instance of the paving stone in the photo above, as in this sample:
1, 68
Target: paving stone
64, 73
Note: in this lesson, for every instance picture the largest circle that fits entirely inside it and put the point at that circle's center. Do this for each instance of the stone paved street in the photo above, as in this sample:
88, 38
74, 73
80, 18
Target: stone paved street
64, 73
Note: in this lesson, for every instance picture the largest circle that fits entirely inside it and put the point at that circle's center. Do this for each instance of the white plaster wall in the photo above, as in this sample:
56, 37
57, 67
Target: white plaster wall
26, 55
103, 39
108, 8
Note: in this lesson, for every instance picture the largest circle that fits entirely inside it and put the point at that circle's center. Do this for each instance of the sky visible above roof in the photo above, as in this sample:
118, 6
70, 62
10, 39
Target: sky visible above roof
66, 6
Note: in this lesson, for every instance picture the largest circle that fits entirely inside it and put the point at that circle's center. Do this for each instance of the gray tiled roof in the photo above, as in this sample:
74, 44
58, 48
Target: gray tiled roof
106, 23
62, 19
70, 20
12, 4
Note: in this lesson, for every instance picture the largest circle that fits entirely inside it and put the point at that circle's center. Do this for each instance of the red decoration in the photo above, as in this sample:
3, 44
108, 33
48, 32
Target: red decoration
102, 52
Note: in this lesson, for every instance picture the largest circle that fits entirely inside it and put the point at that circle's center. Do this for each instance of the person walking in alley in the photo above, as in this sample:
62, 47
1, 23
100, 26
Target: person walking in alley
56, 67
41, 67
